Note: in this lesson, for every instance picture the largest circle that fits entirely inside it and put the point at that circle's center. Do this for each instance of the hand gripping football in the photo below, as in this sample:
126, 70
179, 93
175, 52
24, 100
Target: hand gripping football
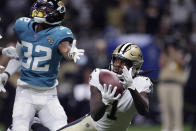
108, 77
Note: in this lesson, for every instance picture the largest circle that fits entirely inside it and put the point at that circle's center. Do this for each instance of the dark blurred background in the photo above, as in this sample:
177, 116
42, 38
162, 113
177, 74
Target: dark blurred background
160, 27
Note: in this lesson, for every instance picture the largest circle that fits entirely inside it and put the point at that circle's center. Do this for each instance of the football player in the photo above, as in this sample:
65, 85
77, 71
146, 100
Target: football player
109, 112
42, 42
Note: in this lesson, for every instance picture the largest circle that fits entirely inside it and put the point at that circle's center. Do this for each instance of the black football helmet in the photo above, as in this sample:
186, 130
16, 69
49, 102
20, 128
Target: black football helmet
130, 54
48, 11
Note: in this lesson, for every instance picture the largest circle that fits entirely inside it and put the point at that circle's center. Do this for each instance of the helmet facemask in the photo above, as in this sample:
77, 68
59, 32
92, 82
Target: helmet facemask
124, 62
48, 11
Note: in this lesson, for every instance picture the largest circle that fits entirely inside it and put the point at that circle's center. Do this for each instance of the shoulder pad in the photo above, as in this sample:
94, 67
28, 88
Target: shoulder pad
22, 24
94, 79
142, 84
94, 72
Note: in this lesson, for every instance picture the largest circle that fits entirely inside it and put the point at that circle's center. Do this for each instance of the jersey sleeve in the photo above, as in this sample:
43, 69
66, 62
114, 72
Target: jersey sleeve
143, 84
13, 66
21, 25
94, 79
67, 33
18, 49
18, 26
64, 33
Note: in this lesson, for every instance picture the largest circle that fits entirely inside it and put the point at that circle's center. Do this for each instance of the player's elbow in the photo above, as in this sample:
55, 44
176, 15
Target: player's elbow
97, 114
94, 116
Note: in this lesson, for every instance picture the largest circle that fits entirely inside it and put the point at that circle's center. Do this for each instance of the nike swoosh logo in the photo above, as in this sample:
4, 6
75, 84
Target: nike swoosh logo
68, 32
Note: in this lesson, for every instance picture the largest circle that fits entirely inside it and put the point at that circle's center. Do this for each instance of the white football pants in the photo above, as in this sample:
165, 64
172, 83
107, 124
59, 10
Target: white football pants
29, 101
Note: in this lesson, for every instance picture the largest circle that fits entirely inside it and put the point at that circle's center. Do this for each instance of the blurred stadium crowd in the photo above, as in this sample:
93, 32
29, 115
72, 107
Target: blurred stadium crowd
158, 26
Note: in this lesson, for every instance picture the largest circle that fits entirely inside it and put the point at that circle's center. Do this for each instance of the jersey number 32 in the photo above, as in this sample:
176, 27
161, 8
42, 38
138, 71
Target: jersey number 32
35, 61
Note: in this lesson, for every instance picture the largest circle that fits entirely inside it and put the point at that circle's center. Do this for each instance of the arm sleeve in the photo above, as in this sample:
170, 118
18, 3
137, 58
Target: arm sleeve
13, 66
18, 49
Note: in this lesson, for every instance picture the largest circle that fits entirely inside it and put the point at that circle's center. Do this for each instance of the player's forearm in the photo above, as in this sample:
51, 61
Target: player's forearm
97, 107
97, 110
141, 103
64, 49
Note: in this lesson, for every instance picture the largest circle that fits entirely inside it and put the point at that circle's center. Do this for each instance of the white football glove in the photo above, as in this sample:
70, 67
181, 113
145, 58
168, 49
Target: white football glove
10, 52
108, 94
75, 53
126, 78
3, 80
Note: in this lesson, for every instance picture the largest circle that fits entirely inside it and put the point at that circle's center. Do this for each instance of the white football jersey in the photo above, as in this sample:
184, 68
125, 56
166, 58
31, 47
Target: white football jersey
118, 117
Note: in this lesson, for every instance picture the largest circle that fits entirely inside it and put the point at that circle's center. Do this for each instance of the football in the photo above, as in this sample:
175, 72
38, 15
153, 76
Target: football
107, 77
